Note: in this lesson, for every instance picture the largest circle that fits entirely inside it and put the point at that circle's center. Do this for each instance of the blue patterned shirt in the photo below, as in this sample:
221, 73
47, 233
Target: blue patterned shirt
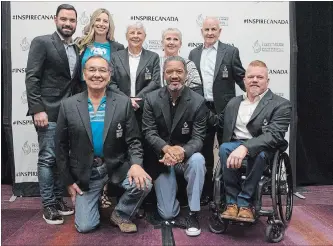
97, 125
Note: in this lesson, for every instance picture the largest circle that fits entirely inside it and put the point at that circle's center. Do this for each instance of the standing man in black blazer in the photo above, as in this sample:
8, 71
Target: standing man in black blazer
52, 75
98, 140
174, 126
136, 71
220, 68
254, 126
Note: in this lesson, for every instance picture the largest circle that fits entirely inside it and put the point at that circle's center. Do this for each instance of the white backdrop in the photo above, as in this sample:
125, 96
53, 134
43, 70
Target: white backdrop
259, 29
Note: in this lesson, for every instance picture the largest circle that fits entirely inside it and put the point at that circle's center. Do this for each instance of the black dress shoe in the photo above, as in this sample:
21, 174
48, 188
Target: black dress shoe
141, 213
205, 200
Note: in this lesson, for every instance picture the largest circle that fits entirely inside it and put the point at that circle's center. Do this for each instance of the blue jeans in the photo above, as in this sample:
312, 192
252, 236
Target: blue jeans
237, 192
50, 185
166, 187
87, 216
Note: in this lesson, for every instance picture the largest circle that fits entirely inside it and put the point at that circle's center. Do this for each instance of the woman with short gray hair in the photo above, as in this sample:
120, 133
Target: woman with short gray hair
171, 43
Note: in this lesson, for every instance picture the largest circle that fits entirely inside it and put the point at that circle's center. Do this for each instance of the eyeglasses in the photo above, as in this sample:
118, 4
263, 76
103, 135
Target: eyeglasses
102, 71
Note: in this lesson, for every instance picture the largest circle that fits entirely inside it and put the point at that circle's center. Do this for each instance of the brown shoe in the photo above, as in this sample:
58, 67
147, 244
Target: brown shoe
123, 224
245, 214
231, 212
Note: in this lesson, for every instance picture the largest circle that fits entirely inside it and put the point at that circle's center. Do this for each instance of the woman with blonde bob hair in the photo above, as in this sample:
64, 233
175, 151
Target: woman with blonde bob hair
98, 39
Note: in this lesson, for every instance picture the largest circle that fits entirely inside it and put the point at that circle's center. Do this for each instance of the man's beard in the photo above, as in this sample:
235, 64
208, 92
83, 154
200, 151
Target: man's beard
66, 35
175, 89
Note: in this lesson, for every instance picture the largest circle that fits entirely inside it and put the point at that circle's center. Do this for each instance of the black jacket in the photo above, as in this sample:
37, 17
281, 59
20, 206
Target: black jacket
188, 128
74, 149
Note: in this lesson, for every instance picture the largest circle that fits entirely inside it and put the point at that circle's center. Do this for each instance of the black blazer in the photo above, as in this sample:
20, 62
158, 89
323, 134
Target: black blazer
74, 149
223, 87
188, 128
48, 78
115, 46
268, 123
148, 76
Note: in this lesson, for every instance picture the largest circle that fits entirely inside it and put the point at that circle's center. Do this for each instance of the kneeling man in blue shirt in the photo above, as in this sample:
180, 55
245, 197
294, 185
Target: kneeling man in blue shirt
97, 139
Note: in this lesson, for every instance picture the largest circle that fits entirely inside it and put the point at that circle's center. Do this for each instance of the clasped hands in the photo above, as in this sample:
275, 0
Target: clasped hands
172, 155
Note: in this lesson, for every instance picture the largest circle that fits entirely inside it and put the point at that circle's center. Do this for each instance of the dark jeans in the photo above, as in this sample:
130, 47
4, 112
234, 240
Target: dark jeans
49, 182
238, 192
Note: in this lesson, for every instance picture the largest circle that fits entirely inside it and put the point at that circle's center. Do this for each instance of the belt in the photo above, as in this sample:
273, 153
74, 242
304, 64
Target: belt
98, 161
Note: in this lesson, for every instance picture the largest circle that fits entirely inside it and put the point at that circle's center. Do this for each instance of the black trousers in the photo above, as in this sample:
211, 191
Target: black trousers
208, 149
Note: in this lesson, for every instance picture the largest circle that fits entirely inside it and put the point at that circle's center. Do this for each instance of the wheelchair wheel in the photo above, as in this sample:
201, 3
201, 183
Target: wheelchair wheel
275, 232
282, 188
216, 225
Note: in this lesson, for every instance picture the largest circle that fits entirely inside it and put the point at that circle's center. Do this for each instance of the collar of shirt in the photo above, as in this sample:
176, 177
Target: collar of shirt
215, 46
103, 100
71, 42
134, 56
257, 98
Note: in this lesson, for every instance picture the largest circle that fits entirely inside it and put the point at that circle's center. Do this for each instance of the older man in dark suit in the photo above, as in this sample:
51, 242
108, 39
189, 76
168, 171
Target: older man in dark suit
98, 139
174, 126
51, 75
254, 126
220, 68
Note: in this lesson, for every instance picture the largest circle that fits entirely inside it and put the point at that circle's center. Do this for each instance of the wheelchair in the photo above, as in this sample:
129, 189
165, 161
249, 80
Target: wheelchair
276, 182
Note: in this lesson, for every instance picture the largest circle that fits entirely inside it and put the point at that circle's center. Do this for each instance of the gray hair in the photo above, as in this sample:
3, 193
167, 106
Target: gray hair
175, 58
99, 56
176, 30
214, 18
136, 25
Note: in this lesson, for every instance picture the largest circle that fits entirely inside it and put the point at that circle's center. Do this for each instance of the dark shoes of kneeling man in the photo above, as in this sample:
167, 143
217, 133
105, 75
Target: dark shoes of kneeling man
53, 214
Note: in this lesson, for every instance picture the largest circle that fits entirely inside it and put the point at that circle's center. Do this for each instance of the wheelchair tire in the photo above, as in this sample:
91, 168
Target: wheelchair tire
217, 226
275, 232
282, 188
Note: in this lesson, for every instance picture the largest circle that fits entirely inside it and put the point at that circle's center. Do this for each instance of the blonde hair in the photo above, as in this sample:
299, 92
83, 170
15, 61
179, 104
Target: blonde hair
89, 31
176, 30
257, 63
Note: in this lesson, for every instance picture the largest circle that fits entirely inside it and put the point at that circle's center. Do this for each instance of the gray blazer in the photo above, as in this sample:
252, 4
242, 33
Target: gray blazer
223, 87
148, 76
268, 123
48, 78
122, 145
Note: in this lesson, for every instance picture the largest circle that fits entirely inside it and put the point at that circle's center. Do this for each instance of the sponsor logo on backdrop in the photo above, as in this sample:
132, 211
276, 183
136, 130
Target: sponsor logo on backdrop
277, 71
26, 174
24, 98
223, 20
260, 46
152, 45
19, 70
23, 122
266, 21
84, 18
153, 18
30, 148
25, 44
33, 17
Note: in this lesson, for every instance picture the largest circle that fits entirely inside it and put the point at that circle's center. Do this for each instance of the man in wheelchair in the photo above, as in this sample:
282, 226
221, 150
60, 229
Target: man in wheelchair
253, 126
